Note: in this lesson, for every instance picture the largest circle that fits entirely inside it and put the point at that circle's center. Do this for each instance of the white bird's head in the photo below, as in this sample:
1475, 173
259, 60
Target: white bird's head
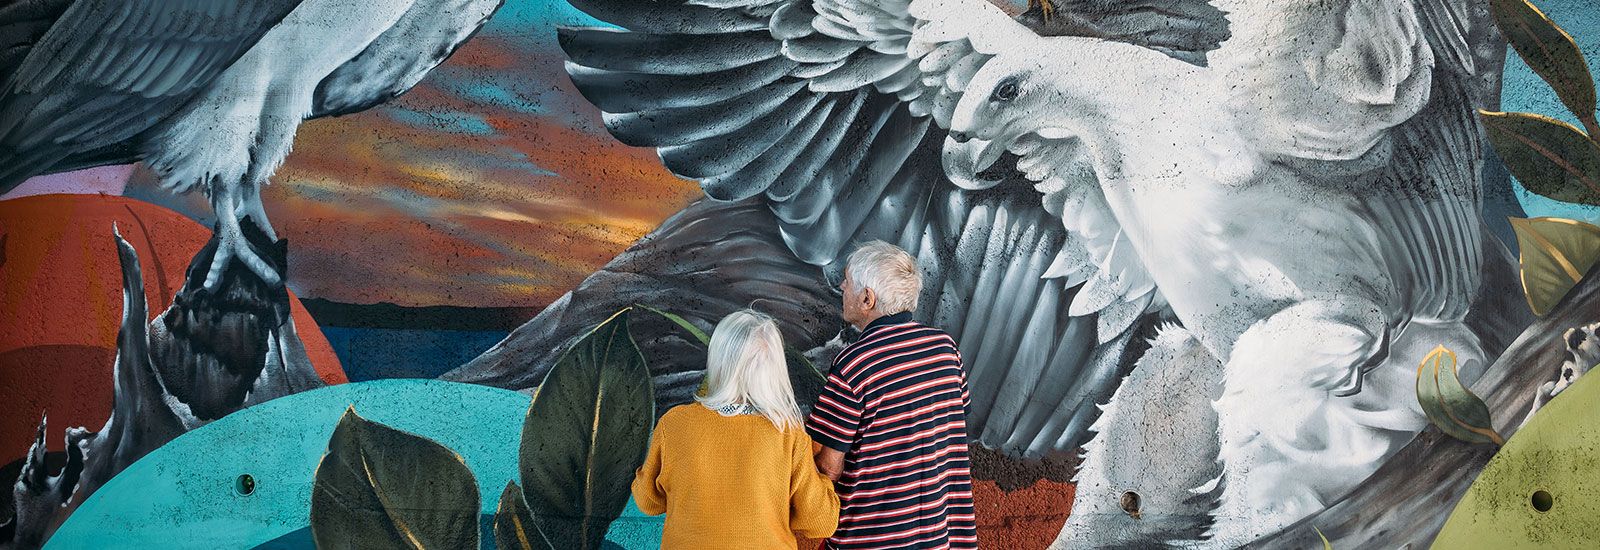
1058, 112
1018, 102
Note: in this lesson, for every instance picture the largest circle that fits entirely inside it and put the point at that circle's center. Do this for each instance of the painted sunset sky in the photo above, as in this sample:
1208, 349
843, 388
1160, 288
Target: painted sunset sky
493, 184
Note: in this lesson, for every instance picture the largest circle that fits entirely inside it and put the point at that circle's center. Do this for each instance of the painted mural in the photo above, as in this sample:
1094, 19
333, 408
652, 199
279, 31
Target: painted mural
425, 273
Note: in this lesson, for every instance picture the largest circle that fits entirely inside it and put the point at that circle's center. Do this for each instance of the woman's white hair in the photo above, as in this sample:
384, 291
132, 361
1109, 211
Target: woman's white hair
890, 272
745, 364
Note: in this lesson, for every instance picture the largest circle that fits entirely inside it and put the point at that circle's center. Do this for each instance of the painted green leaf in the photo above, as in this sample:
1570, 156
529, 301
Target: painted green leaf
1548, 156
1539, 490
1556, 253
587, 430
700, 335
799, 365
381, 488
1325, 544
1549, 51
514, 528
1448, 404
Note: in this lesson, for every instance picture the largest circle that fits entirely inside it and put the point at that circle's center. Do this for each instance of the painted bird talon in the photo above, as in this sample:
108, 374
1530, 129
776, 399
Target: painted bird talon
231, 244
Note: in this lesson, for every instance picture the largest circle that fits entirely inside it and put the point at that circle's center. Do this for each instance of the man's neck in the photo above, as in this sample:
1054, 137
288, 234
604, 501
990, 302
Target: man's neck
862, 326
883, 319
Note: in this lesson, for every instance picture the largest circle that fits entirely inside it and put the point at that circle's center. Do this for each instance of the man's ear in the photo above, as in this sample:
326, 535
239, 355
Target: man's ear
869, 299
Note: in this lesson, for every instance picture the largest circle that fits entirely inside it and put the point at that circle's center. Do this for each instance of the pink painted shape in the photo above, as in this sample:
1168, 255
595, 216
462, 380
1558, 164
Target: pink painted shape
100, 179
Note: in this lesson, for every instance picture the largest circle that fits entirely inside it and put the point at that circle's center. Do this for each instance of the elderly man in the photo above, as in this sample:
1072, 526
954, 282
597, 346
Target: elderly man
891, 425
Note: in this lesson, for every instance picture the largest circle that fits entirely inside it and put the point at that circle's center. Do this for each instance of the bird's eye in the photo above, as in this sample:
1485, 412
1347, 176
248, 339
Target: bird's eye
1006, 91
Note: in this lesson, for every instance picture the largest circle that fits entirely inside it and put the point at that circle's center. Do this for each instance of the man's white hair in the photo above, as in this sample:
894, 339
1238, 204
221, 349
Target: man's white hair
890, 272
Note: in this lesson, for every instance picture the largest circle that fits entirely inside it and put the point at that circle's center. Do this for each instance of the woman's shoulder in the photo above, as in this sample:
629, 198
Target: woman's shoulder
684, 411
688, 413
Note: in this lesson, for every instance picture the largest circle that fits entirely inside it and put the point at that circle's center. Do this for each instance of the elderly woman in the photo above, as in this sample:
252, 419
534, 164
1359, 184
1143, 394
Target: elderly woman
735, 469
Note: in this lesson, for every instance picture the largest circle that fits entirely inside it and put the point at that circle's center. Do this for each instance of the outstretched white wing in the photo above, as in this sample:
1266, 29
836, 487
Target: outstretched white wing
1384, 110
1356, 68
831, 112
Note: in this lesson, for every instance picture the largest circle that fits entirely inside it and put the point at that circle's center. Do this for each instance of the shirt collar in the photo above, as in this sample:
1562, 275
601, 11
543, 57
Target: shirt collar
886, 320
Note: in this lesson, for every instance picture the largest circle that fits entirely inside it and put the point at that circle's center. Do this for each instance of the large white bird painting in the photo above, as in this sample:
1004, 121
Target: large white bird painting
1295, 183
208, 93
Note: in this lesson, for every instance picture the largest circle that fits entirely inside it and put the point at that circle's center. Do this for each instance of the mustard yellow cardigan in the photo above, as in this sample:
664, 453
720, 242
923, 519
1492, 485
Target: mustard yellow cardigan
733, 482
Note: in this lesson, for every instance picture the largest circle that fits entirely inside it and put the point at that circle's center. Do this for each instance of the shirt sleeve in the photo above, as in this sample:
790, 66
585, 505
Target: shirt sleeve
836, 417
647, 491
813, 504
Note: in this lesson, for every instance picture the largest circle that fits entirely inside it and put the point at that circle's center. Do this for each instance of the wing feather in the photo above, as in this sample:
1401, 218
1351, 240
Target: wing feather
835, 110
1362, 67
758, 175
84, 85
427, 34
682, 125
618, 92
819, 48
711, 158
681, 54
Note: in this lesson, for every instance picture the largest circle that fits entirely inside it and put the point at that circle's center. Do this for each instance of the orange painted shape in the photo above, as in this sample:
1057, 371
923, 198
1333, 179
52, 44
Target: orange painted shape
61, 304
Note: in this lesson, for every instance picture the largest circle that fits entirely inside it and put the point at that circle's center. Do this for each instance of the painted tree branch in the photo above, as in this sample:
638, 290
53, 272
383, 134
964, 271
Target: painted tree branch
1406, 502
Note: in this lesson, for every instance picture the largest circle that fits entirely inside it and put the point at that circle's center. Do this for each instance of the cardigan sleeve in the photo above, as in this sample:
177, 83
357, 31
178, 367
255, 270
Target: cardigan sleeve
813, 504
647, 491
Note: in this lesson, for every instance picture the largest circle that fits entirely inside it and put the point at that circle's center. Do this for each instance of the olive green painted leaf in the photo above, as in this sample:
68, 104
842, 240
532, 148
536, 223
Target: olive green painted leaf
1325, 544
514, 528
1448, 404
1556, 253
1538, 491
700, 335
1548, 156
1549, 51
381, 488
587, 430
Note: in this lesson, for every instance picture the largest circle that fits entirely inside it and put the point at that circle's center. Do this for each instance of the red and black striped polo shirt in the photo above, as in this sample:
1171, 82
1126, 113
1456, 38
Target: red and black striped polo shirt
896, 405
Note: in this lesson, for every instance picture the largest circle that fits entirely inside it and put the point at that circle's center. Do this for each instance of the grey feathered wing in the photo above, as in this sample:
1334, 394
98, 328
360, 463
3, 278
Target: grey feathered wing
420, 40
106, 71
89, 77
831, 112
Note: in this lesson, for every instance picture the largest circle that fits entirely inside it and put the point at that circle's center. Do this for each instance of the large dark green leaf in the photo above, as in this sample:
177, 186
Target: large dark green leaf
514, 528
1549, 51
1448, 404
587, 430
1548, 156
381, 488
1556, 253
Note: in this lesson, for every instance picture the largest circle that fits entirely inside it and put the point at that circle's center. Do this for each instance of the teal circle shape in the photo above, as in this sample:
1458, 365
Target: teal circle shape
183, 495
